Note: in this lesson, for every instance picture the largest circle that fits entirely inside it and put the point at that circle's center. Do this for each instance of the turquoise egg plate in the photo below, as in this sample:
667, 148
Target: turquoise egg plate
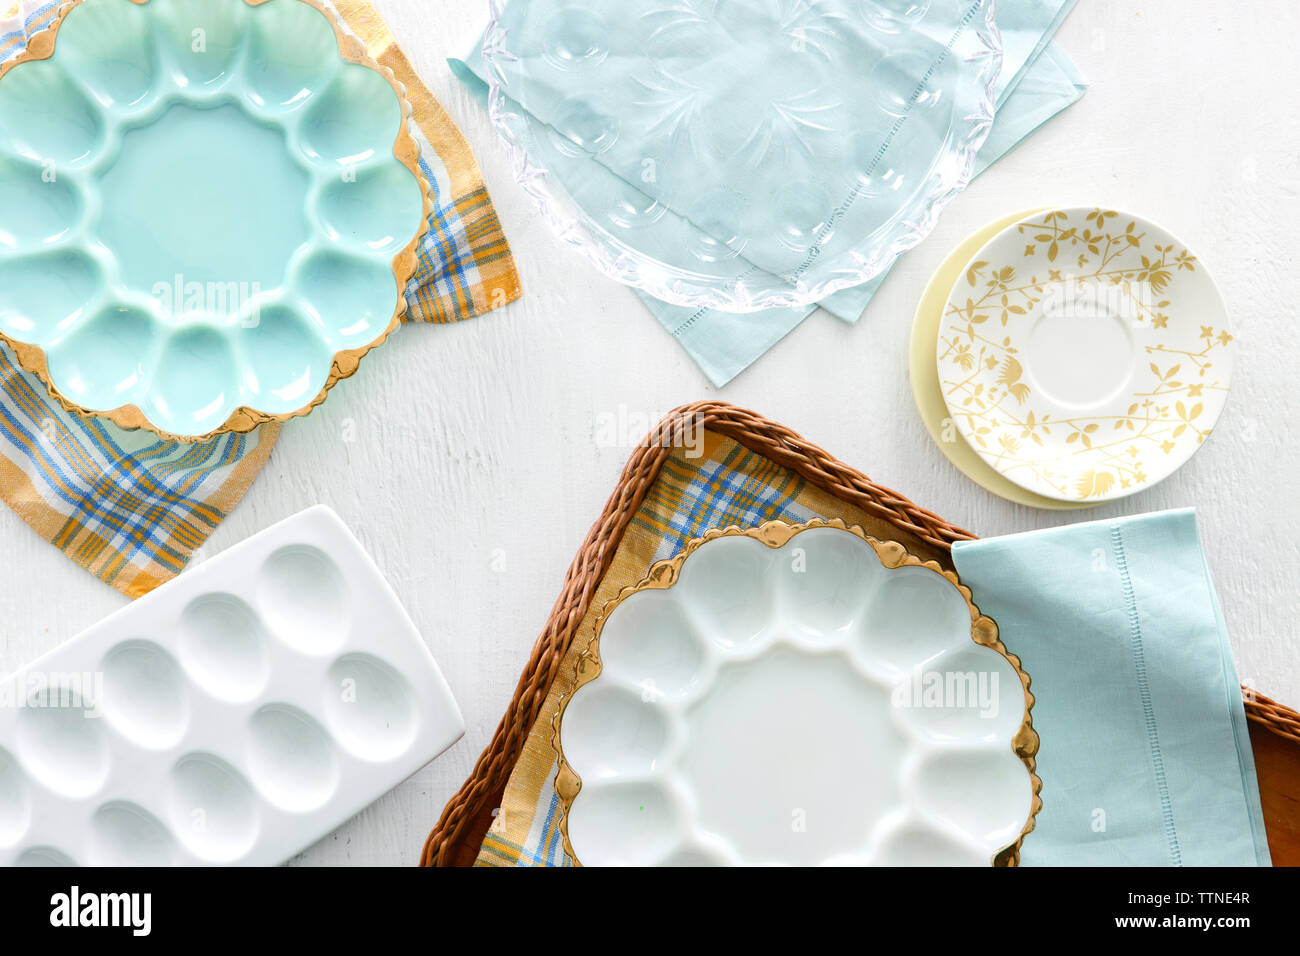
209, 210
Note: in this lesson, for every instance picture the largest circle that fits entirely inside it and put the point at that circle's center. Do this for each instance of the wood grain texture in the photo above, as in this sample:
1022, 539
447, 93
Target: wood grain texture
467, 457
1277, 763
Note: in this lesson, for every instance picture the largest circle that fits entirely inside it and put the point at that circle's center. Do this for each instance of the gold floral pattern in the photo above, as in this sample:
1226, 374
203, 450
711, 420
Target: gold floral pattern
1158, 420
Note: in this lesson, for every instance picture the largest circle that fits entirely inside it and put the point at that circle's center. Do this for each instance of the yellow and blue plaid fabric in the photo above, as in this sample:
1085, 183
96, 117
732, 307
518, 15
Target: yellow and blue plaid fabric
716, 483
130, 508
692, 495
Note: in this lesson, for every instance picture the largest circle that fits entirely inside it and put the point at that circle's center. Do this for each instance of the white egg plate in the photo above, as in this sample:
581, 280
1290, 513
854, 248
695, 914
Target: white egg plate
233, 716
797, 695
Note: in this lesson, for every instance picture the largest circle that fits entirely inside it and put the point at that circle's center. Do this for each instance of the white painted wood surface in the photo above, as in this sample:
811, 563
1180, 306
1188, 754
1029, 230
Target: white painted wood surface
473, 470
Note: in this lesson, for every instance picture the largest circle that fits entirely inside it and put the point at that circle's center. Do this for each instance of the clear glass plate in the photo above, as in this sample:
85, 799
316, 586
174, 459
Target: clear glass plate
743, 154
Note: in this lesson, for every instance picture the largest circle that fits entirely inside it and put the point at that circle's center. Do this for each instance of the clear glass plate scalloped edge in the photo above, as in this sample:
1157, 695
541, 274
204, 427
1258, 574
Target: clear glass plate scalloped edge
745, 288
349, 49
661, 637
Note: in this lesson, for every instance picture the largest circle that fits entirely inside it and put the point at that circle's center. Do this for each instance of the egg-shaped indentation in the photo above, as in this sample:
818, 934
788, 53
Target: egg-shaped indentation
582, 124
377, 211
369, 707
193, 389
913, 617
291, 759
352, 298
971, 695
222, 647
61, 739
42, 296
201, 40
916, 83
726, 587
284, 76
944, 782
717, 226
868, 159
802, 213
353, 121
609, 731
110, 50
575, 38
286, 360
632, 208
912, 843
893, 16
884, 165
126, 834
145, 696
44, 857
304, 599
212, 809
625, 824
648, 642
48, 118
824, 579
15, 800
103, 361
36, 208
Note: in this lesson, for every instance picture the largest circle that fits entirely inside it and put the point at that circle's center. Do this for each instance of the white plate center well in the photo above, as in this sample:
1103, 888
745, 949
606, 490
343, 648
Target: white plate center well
760, 716
1081, 348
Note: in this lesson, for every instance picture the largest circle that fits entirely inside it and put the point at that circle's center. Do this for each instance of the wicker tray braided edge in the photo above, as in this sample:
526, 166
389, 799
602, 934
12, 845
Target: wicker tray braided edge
456, 837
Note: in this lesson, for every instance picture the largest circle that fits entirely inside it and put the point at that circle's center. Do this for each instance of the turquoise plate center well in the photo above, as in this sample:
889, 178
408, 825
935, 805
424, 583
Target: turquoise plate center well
187, 193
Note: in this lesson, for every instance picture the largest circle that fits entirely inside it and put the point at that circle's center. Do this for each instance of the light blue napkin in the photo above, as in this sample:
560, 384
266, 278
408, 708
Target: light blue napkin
1037, 81
1145, 754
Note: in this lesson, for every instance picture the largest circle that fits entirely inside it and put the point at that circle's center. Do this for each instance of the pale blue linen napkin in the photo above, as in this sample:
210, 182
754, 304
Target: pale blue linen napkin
1037, 81
1046, 86
1145, 754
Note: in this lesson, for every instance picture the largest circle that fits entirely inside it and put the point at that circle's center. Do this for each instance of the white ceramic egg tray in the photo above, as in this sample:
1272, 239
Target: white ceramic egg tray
796, 695
233, 716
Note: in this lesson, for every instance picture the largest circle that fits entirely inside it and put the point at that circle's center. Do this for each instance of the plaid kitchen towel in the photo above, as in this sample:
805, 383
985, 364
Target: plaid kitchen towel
711, 482
130, 508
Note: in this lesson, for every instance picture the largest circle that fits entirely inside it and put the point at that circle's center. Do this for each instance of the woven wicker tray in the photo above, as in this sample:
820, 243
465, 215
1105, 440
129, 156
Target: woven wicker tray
455, 841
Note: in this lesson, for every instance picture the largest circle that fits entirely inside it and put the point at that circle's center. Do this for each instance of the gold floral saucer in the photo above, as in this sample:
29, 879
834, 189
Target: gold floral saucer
1084, 354
925, 376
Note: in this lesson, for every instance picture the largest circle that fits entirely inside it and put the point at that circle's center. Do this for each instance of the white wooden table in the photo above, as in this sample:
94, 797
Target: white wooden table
466, 457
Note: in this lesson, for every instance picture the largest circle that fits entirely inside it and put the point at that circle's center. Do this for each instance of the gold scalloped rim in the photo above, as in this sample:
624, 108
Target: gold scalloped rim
776, 534
40, 46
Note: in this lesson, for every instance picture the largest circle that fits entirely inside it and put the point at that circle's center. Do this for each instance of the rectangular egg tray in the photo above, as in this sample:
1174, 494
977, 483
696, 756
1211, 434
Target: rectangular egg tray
234, 716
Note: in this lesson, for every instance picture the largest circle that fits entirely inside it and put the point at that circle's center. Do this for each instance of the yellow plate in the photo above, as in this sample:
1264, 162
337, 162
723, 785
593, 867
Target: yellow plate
925, 376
